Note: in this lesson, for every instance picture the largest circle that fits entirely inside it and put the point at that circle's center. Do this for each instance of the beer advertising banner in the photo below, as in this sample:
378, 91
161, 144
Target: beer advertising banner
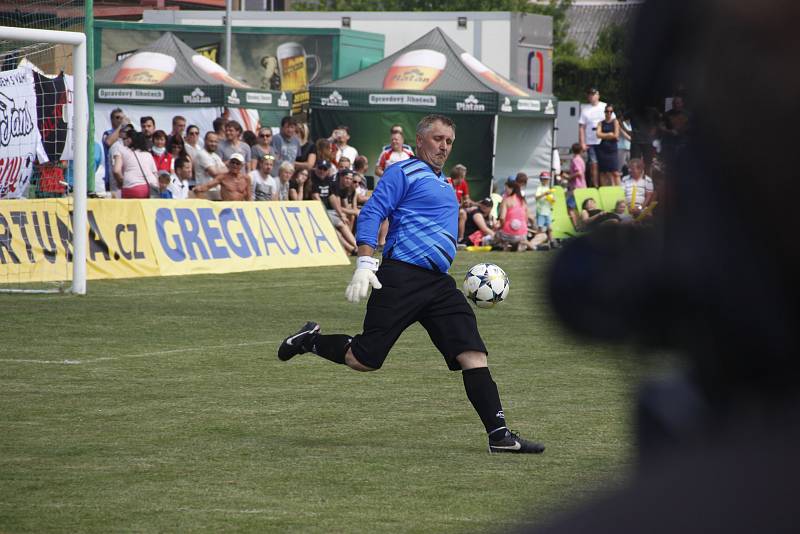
132, 238
266, 62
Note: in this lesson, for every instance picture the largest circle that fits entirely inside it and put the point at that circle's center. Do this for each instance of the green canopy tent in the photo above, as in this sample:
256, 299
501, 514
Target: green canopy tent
501, 128
168, 77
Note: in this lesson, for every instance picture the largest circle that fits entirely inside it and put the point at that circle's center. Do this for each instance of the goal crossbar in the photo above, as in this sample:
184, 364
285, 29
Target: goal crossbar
80, 136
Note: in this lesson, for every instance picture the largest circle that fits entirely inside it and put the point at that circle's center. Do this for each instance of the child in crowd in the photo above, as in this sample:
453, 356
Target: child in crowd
544, 206
164, 179
621, 212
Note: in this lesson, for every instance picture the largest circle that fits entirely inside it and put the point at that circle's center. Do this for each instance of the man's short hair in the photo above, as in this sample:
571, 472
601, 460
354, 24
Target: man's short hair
397, 127
344, 127
458, 171
235, 125
427, 123
147, 118
181, 161
218, 123
177, 118
360, 162
288, 121
115, 111
205, 137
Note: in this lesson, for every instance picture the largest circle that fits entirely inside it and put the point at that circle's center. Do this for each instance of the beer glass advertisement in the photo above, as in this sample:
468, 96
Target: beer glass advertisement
263, 61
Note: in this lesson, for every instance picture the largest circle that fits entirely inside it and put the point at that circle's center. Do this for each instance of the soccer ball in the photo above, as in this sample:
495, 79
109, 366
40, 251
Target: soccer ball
486, 285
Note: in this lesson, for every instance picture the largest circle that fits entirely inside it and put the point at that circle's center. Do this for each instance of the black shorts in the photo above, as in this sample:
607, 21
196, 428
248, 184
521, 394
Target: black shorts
410, 294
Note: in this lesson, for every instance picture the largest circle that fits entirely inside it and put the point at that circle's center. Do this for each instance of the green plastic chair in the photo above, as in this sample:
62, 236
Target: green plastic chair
562, 224
609, 195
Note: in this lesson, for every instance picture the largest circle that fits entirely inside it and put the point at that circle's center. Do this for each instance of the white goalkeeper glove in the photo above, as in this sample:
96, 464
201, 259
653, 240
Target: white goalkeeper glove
363, 278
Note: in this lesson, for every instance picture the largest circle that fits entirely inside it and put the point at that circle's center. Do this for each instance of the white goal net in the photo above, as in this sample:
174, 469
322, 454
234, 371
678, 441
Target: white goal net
43, 167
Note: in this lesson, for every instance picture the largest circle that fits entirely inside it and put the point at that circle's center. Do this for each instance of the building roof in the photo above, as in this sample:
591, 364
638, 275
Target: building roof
587, 19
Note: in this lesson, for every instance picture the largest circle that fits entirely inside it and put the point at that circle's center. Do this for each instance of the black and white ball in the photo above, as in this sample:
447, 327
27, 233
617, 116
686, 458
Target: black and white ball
486, 285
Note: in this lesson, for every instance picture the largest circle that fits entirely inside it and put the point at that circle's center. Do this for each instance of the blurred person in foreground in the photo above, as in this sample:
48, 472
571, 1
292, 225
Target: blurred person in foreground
717, 441
413, 285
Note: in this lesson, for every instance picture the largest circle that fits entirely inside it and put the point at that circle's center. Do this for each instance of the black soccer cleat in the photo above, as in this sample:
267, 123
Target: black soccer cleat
293, 345
512, 442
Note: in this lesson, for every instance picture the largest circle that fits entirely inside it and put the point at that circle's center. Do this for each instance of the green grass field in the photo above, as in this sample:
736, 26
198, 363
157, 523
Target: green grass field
159, 405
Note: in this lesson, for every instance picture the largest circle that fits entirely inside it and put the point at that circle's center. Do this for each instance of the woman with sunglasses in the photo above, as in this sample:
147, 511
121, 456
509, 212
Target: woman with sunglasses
607, 152
262, 147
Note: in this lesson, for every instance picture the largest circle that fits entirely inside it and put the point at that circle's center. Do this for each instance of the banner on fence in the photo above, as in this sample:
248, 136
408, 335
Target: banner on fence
130, 238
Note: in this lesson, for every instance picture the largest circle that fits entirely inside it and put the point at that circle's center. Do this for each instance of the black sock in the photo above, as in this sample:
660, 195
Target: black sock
331, 347
482, 393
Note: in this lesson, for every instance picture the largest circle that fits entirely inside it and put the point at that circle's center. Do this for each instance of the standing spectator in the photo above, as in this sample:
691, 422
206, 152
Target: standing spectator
285, 145
233, 144
135, 170
262, 147
300, 185
638, 188
587, 130
675, 129
575, 180
192, 142
148, 125
178, 127
544, 206
162, 158
458, 180
624, 143
110, 137
607, 155
234, 185
181, 179
512, 218
208, 165
265, 187
219, 126
341, 136
397, 128
395, 153
307, 156
645, 129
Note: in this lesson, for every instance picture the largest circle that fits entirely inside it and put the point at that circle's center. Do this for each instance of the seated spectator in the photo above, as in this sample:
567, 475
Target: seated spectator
346, 192
162, 158
592, 216
522, 180
307, 155
264, 185
638, 188
477, 224
233, 144
395, 153
361, 168
300, 185
544, 207
285, 173
234, 185
344, 163
164, 181
261, 148
622, 213
323, 189
135, 170
512, 219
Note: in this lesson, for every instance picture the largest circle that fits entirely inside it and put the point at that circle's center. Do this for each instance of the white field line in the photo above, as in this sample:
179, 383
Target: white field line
138, 355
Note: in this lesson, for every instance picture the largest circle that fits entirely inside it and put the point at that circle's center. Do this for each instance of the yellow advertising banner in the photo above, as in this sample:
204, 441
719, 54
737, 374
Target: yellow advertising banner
130, 238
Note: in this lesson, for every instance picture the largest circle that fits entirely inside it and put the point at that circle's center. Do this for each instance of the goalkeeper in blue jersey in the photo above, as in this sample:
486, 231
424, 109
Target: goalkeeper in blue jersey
412, 285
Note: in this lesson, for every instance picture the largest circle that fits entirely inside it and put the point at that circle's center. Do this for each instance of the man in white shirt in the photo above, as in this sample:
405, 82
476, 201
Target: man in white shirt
591, 114
341, 136
638, 188
265, 186
179, 183
208, 165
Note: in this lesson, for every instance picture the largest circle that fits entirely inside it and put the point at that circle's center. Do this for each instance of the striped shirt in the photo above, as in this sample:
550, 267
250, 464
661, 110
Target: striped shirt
422, 212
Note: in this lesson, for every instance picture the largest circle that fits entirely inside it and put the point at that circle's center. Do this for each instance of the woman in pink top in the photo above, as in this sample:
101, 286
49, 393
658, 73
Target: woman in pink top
135, 170
512, 219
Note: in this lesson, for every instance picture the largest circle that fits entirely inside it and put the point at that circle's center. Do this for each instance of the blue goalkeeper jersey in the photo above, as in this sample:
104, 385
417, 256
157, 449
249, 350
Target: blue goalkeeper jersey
423, 216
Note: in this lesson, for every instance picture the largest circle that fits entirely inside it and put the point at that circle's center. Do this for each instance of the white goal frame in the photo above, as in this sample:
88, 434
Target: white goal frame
80, 134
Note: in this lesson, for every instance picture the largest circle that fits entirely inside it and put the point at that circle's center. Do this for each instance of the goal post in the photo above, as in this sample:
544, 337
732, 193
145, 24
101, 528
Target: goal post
80, 135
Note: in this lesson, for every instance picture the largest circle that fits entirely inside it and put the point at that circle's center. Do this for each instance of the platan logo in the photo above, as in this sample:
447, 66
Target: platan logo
506, 105
196, 97
283, 102
549, 109
524, 104
258, 98
335, 100
470, 104
233, 98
